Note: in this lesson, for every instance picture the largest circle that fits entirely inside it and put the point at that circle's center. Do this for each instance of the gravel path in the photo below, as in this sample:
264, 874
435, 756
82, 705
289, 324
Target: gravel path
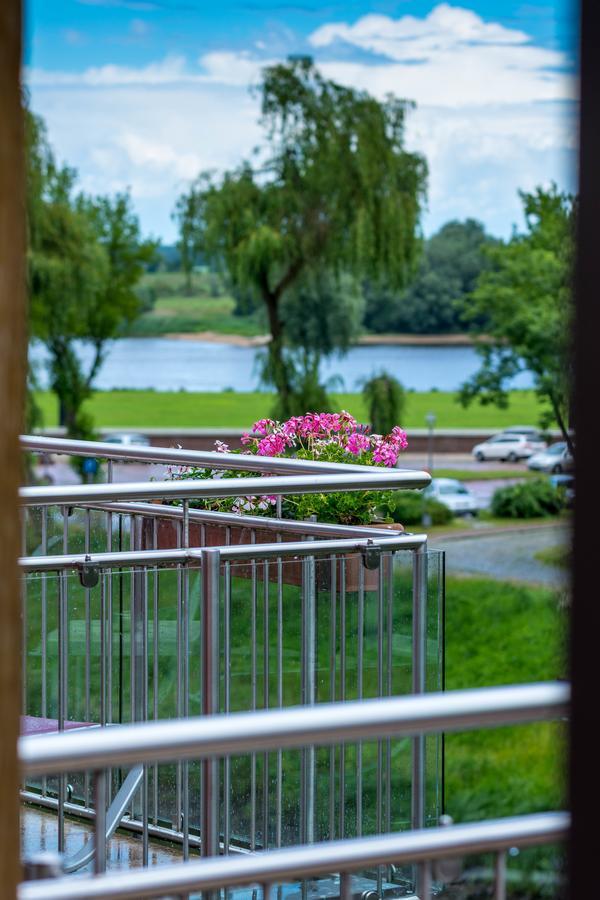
508, 556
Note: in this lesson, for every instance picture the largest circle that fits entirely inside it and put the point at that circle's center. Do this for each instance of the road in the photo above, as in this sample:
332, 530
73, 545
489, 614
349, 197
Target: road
506, 556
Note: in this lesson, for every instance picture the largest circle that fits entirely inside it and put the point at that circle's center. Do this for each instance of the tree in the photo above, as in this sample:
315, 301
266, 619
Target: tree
85, 256
321, 315
525, 296
385, 400
337, 192
186, 214
451, 262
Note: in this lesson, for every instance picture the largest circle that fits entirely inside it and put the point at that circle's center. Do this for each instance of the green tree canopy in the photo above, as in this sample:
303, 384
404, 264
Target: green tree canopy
336, 191
525, 298
451, 262
85, 256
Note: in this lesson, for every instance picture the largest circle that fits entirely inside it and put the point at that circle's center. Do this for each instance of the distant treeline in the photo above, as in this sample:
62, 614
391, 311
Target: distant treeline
450, 263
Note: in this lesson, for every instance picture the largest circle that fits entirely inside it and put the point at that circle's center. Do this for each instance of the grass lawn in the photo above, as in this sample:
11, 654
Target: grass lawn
182, 409
505, 633
483, 474
555, 556
207, 308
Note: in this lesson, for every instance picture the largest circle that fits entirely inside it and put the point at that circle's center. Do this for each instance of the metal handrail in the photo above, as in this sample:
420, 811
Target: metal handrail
282, 549
245, 520
65, 495
201, 458
325, 723
278, 866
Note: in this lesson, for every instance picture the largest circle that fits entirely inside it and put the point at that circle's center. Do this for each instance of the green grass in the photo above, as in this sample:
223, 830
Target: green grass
500, 633
182, 409
555, 556
207, 308
482, 474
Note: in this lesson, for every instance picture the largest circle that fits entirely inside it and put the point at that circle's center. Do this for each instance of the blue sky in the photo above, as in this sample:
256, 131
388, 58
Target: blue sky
146, 93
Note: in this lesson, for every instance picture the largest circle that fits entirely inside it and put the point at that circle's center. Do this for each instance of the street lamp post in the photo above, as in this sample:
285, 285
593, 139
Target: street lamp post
430, 419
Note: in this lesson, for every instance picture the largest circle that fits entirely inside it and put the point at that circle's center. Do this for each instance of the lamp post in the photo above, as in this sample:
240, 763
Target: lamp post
430, 419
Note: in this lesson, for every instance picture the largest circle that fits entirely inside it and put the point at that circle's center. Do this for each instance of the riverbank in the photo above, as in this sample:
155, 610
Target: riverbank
128, 409
365, 340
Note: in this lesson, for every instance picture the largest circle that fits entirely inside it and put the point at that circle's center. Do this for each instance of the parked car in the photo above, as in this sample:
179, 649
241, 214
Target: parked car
508, 446
531, 433
555, 459
454, 494
127, 438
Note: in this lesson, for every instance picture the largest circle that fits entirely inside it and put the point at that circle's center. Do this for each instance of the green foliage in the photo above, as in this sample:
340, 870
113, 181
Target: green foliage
84, 260
529, 500
385, 400
451, 262
408, 508
337, 193
321, 316
525, 299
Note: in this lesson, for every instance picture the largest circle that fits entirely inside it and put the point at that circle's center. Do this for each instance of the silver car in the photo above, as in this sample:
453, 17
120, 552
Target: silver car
507, 446
554, 459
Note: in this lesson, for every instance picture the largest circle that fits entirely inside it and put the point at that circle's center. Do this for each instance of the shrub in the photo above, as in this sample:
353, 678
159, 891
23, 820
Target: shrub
528, 500
385, 401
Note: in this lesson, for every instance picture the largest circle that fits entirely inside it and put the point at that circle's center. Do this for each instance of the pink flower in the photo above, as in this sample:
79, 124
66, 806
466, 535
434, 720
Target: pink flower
398, 436
221, 447
357, 443
386, 452
263, 426
272, 445
246, 438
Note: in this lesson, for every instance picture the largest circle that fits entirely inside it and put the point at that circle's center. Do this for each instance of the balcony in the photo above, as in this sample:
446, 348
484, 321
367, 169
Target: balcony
264, 693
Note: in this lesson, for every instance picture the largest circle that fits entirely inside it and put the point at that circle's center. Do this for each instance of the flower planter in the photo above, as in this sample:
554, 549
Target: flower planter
213, 535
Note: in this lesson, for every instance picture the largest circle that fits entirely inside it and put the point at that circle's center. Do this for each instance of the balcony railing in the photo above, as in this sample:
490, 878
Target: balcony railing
228, 736
137, 611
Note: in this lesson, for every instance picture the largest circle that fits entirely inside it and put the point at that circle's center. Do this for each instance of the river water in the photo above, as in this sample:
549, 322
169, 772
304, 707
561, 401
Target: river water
173, 365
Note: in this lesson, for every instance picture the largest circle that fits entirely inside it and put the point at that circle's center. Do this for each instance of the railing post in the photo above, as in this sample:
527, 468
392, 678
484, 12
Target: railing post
210, 663
308, 664
419, 670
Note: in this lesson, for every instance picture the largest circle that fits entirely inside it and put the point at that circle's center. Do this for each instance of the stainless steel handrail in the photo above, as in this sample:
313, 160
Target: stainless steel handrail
201, 458
325, 723
291, 526
278, 866
387, 479
283, 549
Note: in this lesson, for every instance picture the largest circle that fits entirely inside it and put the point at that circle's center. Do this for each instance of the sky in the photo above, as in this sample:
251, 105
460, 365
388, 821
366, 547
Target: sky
145, 94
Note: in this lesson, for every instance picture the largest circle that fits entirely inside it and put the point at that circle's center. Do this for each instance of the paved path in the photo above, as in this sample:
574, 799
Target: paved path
508, 556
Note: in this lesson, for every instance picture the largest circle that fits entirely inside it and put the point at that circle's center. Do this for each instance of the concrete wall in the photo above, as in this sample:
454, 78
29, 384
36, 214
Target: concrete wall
445, 440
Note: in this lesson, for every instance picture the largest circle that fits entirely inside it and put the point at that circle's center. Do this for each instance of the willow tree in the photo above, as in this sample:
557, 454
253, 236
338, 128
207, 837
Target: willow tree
335, 191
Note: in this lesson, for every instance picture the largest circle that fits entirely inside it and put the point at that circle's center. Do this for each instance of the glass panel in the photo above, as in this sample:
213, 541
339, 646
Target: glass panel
291, 632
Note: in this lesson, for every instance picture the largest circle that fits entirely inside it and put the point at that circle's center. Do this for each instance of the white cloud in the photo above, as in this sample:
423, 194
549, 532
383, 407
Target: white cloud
494, 113
449, 58
167, 71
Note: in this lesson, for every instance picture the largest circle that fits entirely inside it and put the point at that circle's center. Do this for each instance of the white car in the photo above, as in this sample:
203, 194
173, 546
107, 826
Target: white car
127, 439
507, 446
453, 494
554, 459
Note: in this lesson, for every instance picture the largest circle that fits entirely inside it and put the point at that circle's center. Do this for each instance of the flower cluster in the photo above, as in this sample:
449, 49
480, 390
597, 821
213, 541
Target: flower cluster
316, 433
333, 437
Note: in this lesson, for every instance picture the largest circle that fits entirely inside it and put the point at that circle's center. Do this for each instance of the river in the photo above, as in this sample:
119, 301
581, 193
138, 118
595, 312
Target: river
172, 365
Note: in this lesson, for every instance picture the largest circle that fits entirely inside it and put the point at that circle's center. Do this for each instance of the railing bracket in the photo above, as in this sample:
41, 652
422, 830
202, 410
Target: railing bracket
89, 574
371, 555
